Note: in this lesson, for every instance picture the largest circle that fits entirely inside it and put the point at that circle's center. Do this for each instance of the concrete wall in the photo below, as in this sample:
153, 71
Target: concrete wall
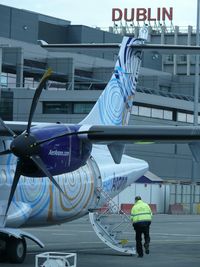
185, 198
85, 34
18, 24
5, 19
150, 193
52, 34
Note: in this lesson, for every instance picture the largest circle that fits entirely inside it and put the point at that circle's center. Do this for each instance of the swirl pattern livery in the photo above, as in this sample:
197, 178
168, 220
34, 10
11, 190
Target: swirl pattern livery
115, 104
42, 196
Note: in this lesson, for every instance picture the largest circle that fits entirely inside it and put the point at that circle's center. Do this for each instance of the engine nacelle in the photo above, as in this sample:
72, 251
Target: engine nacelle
60, 155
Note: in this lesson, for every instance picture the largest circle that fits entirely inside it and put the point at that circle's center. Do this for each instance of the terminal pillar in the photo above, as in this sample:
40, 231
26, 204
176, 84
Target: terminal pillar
162, 41
71, 75
162, 36
0, 64
189, 43
175, 42
63, 67
19, 68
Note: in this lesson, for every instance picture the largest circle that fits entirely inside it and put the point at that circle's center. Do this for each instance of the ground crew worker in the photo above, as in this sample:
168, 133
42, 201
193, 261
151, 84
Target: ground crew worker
141, 216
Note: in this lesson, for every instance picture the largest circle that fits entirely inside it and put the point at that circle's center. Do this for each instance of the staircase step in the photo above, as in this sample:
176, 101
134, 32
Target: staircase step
110, 224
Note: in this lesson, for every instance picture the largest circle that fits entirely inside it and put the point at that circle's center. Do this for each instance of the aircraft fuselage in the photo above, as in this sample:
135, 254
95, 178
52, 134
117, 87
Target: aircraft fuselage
37, 202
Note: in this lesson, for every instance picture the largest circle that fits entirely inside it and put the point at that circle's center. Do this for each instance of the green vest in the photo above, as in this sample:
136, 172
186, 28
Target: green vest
141, 212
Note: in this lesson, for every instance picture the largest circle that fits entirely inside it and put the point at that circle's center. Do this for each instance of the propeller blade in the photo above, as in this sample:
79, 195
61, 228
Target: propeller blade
62, 135
43, 168
7, 128
36, 97
5, 152
14, 185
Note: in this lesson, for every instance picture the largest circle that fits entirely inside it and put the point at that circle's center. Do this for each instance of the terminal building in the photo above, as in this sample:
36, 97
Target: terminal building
165, 91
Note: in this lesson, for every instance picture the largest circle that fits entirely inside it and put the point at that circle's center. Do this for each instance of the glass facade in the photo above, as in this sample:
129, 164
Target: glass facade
57, 107
6, 105
61, 107
152, 112
8, 80
162, 113
82, 108
4, 80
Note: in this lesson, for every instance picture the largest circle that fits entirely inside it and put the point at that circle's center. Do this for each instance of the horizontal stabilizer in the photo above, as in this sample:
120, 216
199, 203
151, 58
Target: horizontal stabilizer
195, 149
154, 48
170, 49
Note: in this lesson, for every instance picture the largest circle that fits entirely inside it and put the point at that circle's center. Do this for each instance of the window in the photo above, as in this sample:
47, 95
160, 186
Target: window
182, 58
135, 110
11, 80
144, 111
152, 112
82, 108
181, 117
190, 118
157, 113
6, 105
28, 82
4, 80
169, 57
168, 115
57, 107
185, 117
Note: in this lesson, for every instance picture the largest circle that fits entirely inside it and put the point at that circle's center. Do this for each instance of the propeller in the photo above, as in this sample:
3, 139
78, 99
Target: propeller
14, 185
22, 145
36, 97
25, 146
5, 152
7, 128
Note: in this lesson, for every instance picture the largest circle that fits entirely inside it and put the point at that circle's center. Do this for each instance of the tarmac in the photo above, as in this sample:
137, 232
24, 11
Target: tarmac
175, 242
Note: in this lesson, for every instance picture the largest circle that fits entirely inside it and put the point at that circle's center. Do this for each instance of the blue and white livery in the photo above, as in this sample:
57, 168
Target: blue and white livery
52, 173
114, 105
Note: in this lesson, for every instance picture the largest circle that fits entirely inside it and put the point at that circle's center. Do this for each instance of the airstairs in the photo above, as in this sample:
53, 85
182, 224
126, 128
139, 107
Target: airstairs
113, 226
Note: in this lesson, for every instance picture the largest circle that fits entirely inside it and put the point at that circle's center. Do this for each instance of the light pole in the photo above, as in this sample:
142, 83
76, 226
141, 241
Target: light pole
196, 91
196, 103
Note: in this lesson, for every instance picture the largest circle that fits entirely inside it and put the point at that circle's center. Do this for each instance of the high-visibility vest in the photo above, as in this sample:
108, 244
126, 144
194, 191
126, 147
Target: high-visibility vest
141, 212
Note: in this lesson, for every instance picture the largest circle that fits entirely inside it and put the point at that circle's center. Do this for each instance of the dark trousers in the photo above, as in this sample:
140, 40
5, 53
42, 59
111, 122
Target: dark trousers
142, 228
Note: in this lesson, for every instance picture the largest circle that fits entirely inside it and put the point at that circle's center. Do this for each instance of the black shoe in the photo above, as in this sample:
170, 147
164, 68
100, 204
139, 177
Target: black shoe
146, 246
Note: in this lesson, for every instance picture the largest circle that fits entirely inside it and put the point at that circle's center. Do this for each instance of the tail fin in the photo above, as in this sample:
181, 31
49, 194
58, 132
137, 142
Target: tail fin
115, 103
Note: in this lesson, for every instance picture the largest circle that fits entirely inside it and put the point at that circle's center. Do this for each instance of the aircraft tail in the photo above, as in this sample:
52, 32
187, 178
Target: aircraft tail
115, 103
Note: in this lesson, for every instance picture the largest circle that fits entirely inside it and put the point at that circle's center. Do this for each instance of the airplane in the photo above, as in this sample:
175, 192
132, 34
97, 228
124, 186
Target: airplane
50, 173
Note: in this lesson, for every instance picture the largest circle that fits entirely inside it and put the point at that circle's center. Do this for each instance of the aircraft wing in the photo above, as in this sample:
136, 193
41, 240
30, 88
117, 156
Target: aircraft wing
142, 134
116, 136
105, 134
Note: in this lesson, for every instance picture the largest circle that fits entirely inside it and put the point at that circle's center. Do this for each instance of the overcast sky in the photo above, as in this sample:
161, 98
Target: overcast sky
99, 13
